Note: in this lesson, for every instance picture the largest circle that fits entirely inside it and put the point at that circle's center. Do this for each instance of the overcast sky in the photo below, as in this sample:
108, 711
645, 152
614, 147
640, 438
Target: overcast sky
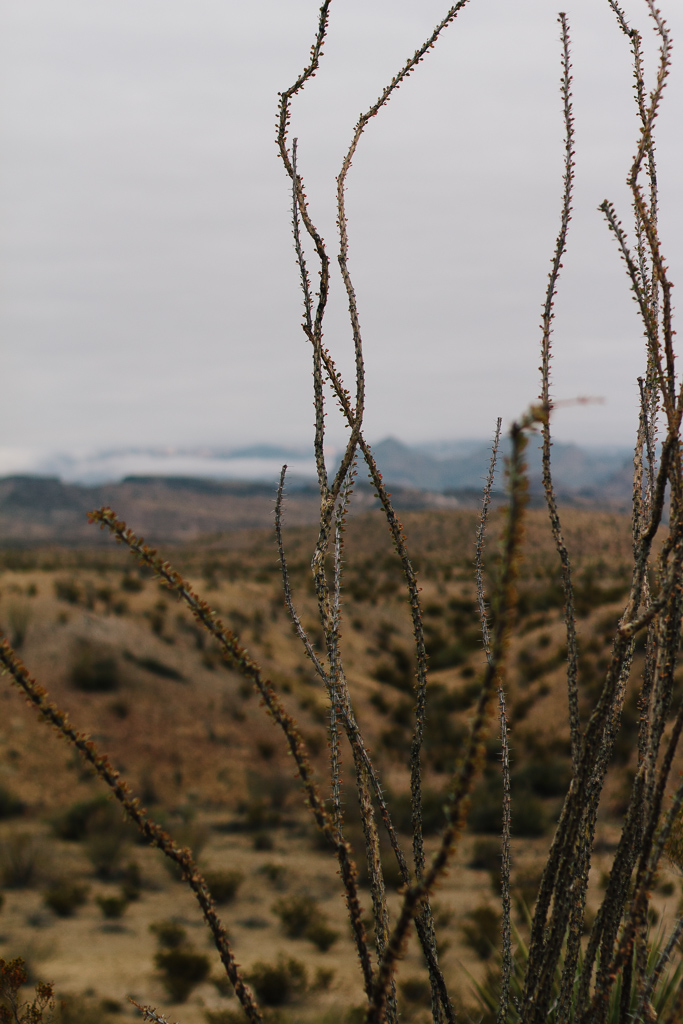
148, 289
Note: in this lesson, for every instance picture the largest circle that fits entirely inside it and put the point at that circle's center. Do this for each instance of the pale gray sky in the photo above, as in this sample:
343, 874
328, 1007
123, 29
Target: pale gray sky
148, 290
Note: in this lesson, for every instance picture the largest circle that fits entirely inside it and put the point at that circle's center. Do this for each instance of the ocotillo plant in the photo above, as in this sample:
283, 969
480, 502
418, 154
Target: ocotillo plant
614, 975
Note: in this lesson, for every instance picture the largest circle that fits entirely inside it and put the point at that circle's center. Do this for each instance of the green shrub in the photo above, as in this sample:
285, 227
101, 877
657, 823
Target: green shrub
263, 841
81, 1009
485, 812
112, 907
65, 897
131, 881
524, 887
94, 670
486, 855
181, 971
72, 824
275, 873
10, 805
131, 584
104, 850
301, 917
223, 884
433, 811
324, 976
99, 824
21, 860
543, 778
446, 655
321, 935
399, 673
481, 930
187, 833
120, 708
19, 614
279, 983
296, 914
170, 934
68, 590
529, 819
416, 990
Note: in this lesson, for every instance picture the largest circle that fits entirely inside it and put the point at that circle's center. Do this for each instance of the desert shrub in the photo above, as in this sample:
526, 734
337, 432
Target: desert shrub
486, 855
120, 708
416, 990
524, 887
484, 816
112, 907
444, 653
278, 983
258, 814
530, 819
169, 934
296, 914
321, 935
379, 701
187, 833
544, 778
72, 824
130, 879
589, 593
322, 981
21, 860
83, 1009
481, 930
533, 665
444, 737
275, 873
131, 583
263, 841
10, 805
301, 917
68, 590
105, 848
94, 670
65, 897
157, 617
399, 672
181, 971
99, 824
223, 884
433, 811
19, 615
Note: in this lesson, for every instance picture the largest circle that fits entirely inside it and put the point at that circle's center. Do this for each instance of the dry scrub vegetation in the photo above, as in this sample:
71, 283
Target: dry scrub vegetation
382, 675
85, 900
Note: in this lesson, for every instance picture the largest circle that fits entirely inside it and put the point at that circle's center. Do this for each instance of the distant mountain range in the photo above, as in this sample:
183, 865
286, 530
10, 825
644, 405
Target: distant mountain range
184, 495
579, 472
438, 466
